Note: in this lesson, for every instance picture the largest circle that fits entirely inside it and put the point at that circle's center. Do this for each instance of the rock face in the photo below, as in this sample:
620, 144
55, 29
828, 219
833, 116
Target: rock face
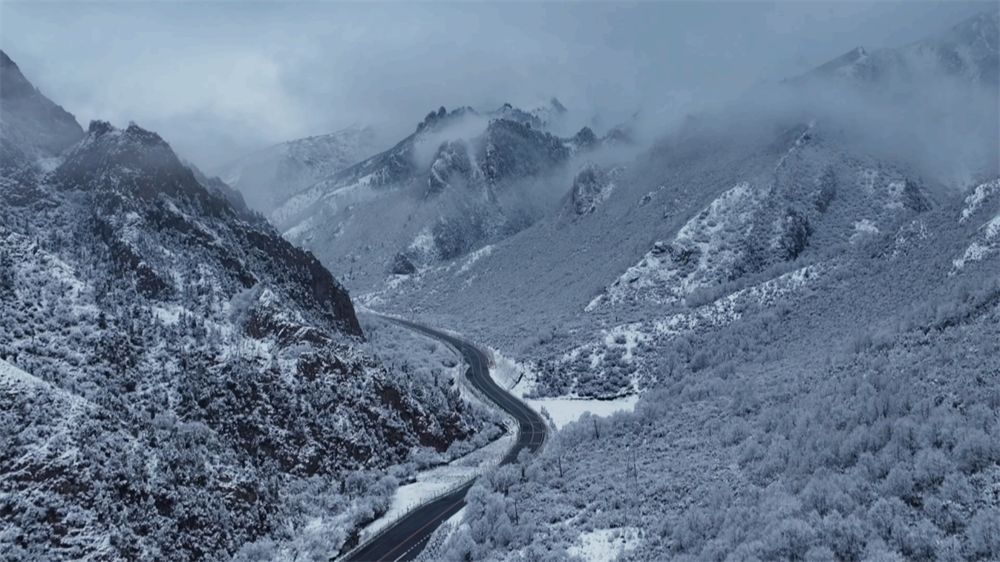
510, 150
138, 184
460, 181
39, 127
172, 370
590, 186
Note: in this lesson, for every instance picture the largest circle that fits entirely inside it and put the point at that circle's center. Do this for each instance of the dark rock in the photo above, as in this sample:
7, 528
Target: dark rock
402, 265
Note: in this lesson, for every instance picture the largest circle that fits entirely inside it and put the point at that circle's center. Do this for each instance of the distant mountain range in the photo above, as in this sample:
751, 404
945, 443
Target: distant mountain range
967, 50
462, 179
732, 200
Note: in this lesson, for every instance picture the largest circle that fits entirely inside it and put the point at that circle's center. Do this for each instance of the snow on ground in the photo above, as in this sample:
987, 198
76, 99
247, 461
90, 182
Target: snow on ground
563, 411
976, 198
726, 309
444, 478
438, 480
604, 545
296, 231
518, 379
295, 205
863, 227
474, 257
980, 249
12, 376
423, 242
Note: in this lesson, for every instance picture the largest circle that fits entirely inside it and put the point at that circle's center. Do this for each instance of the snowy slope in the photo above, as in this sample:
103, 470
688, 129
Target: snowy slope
463, 178
967, 51
187, 382
269, 177
31, 122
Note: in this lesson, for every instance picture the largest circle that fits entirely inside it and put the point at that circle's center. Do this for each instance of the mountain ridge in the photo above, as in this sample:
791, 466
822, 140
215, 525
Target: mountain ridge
179, 381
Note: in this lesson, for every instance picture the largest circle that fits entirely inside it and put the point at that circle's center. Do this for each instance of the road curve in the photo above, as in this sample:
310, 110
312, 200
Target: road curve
405, 539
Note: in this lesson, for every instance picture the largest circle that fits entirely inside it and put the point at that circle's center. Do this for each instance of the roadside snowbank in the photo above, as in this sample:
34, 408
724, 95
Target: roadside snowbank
434, 482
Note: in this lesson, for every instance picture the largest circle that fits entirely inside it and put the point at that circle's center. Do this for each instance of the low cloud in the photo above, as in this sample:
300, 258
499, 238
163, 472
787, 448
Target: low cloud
219, 80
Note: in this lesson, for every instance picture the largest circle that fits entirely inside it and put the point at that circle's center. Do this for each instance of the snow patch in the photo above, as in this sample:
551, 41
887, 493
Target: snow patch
862, 228
564, 411
981, 249
976, 198
518, 379
604, 545
296, 231
424, 242
474, 257
705, 245
13, 379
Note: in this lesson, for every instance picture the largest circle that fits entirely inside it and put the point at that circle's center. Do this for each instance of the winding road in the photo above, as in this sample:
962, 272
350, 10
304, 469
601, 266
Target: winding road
406, 538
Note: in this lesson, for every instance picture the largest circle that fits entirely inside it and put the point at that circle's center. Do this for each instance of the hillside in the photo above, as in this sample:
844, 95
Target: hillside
178, 380
460, 181
808, 313
270, 176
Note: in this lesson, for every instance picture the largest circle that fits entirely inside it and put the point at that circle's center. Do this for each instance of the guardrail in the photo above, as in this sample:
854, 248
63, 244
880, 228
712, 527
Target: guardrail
510, 422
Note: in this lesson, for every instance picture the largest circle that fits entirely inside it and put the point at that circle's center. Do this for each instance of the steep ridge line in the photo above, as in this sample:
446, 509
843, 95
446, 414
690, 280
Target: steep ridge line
404, 539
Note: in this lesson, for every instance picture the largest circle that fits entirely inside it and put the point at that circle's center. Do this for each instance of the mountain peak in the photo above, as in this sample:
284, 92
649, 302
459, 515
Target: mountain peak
442, 115
98, 127
34, 123
5, 61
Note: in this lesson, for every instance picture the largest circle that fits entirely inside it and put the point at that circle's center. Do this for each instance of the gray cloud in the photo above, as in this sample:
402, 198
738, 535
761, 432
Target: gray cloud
221, 79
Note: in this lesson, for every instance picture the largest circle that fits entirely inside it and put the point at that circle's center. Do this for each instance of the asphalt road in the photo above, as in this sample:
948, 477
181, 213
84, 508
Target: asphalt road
408, 536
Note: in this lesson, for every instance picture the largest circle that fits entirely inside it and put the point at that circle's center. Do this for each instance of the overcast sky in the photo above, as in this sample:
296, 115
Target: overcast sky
218, 80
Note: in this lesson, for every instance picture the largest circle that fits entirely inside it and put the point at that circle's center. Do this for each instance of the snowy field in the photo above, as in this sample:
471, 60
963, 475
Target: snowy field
518, 379
604, 545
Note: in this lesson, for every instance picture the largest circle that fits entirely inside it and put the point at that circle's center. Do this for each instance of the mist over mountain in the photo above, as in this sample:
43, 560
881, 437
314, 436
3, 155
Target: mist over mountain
268, 177
789, 292
31, 127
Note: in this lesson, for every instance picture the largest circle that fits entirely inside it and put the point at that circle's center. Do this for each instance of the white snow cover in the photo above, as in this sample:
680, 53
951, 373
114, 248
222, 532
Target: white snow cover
438, 480
423, 242
862, 228
710, 236
604, 545
561, 411
474, 257
980, 249
976, 198
13, 379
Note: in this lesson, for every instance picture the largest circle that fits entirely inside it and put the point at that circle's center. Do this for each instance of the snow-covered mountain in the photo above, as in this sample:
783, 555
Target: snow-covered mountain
176, 379
268, 177
746, 205
32, 127
809, 311
967, 51
461, 180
